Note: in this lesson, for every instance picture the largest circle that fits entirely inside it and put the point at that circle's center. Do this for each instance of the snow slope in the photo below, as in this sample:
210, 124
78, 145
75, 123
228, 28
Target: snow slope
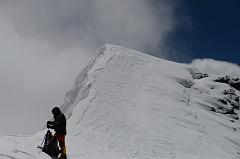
130, 105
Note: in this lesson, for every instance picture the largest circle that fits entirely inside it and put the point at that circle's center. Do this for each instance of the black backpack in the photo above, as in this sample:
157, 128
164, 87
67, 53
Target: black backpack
50, 145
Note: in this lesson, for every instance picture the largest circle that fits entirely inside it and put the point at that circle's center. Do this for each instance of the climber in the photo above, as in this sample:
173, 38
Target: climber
59, 126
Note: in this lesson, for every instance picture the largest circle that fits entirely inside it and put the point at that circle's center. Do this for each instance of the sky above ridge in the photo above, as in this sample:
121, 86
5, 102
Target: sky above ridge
45, 44
211, 30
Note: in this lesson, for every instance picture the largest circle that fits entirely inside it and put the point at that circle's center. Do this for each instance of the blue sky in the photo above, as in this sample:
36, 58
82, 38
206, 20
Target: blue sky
209, 29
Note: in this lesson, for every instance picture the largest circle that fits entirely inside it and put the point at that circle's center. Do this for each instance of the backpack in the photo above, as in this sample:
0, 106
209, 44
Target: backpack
50, 145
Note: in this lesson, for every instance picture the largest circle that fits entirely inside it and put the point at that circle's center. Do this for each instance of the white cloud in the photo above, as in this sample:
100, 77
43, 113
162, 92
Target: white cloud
132, 23
219, 68
34, 76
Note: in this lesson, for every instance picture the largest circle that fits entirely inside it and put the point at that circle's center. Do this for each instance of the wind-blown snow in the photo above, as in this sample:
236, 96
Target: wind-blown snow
129, 105
217, 67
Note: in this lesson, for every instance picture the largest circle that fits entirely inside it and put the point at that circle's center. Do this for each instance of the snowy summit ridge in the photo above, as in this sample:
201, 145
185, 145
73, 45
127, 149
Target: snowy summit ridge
130, 105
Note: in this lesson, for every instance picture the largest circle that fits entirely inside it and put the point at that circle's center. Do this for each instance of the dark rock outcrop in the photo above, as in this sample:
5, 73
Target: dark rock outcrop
234, 82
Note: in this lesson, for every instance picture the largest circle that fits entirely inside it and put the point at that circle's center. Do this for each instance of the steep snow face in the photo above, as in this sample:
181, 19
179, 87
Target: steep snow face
129, 105
132, 105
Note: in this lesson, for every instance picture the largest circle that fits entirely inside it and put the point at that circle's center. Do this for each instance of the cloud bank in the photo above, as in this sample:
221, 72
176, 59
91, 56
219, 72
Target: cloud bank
45, 44
34, 77
138, 24
218, 68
